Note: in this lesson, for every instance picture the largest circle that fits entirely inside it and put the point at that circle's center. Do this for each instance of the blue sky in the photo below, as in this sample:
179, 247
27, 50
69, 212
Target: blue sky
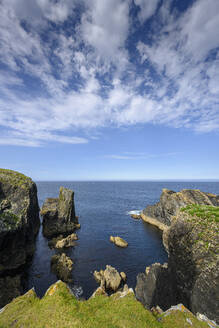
113, 89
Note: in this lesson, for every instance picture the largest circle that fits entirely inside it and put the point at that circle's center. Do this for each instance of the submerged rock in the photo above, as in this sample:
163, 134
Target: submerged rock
171, 201
19, 224
118, 241
59, 214
62, 266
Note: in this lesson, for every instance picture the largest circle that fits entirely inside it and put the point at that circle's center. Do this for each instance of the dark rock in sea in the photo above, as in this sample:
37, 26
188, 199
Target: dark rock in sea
59, 214
62, 265
193, 264
171, 201
19, 224
154, 287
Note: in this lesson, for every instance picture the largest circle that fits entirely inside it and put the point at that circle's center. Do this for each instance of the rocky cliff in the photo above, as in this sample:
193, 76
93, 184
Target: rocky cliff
161, 213
59, 214
192, 274
19, 224
59, 308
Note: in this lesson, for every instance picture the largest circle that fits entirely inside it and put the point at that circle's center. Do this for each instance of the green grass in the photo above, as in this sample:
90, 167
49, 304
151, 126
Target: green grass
209, 214
63, 310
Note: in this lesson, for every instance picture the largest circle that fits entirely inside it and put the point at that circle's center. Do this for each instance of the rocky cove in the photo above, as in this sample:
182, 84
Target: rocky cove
178, 282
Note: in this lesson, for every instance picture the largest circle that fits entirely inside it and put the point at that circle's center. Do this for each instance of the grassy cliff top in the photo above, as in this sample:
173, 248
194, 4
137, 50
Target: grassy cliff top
58, 308
16, 179
205, 221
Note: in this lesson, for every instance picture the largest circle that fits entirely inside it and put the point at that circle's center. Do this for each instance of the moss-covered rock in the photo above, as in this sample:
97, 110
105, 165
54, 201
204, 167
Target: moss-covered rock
59, 308
59, 214
19, 224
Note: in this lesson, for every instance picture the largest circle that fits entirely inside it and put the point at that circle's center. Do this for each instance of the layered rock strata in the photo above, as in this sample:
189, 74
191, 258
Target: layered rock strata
19, 224
161, 213
59, 214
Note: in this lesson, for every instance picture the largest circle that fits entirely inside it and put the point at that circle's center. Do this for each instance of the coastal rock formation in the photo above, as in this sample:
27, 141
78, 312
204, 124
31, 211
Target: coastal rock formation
19, 224
59, 214
62, 266
161, 213
193, 264
118, 241
109, 278
61, 242
59, 308
154, 287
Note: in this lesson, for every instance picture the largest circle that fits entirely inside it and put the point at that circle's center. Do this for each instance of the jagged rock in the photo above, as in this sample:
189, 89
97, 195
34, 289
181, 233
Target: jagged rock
122, 293
99, 291
171, 201
59, 214
123, 276
153, 287
112, 278
118, 241
19, 224
193, 264
61, 242
109, 278
136, 216
62, 266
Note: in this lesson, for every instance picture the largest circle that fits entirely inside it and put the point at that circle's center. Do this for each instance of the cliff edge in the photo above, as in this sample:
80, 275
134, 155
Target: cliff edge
19, 224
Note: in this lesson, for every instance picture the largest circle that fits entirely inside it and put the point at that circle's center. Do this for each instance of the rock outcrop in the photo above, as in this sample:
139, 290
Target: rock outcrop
61, 242
161, 213
118, 241
62, 265
192, 275
109, 279
19, 224
59, 214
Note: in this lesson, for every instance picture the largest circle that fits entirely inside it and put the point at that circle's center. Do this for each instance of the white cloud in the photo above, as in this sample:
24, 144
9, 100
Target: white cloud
105, 27
147, 8
87, 78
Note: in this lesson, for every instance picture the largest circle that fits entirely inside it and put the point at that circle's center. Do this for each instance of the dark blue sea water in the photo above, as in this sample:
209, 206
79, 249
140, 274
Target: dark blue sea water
103, 209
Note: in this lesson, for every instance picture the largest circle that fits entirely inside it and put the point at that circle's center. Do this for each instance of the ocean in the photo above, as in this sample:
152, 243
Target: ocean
104, 209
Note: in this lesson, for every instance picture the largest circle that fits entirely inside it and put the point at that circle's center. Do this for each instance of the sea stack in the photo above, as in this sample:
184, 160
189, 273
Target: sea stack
59, 214
19, 224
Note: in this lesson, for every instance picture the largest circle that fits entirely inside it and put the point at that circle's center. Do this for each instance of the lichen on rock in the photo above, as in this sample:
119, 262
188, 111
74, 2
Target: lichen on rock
19, 224
59, 214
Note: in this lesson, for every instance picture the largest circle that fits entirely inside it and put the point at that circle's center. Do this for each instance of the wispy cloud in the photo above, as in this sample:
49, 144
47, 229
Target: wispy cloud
70, 66
140, 156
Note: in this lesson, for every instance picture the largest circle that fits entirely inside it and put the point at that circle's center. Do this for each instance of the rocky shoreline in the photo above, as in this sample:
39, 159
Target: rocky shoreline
188, 220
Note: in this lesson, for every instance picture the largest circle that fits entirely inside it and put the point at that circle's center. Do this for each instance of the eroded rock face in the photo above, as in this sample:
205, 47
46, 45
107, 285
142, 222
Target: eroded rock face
59, 214
192, 275
61, 242
109, 278
62, 265
171, 201
154, 287
19, 224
